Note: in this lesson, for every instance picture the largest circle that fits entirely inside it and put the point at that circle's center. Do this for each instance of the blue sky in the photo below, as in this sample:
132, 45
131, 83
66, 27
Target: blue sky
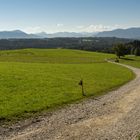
68, 15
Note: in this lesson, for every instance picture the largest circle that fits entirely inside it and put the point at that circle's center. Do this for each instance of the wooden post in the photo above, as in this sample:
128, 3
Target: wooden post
82, 85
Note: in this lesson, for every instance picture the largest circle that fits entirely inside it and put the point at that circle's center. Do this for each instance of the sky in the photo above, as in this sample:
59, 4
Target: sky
33, 16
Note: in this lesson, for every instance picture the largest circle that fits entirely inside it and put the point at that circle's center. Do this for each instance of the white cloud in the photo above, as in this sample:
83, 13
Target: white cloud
35, 29
62, 28
59, 25
48, 29
96, 28
80, 27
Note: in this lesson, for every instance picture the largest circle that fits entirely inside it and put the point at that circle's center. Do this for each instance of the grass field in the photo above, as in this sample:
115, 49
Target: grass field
34, 80
131, 60
53, 56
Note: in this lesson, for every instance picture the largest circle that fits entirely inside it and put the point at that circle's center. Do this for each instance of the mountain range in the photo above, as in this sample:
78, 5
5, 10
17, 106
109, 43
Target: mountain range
16, 34
65, 34
131, 33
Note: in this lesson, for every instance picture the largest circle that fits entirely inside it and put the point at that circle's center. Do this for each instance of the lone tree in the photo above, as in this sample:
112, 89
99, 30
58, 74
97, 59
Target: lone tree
120, 50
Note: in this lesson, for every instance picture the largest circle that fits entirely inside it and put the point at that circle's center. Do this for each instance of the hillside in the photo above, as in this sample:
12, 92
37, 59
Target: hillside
35, 80
16, 34
53, 56
133, 33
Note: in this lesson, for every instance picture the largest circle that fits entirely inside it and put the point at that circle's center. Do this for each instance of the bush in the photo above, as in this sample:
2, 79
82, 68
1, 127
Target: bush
117, 60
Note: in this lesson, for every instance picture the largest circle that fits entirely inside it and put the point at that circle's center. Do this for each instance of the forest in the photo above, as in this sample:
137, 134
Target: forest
98, 44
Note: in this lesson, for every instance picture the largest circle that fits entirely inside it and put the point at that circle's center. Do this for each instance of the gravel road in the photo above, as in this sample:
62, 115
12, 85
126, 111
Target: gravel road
114, 116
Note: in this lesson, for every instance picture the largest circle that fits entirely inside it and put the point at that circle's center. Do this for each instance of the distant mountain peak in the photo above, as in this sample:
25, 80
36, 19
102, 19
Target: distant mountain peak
15, 34
132, 33
18, 31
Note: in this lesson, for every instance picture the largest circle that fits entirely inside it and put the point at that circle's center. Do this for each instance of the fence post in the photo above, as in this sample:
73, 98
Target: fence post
82, 85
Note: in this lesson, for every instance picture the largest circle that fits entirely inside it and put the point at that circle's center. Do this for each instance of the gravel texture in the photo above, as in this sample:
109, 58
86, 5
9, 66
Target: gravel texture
114, 116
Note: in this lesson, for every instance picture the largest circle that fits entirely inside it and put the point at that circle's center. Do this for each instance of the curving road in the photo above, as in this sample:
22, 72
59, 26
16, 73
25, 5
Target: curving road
114, 116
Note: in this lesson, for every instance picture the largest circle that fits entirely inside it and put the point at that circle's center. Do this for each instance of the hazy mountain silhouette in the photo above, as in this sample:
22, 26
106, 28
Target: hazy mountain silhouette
65, 34
132, 33
15, 34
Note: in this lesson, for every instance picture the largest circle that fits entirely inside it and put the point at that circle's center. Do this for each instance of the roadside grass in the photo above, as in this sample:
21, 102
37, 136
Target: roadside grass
27, 88
131, 60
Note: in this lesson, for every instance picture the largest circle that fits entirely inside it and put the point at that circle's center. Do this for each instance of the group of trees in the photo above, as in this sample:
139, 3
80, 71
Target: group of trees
135, 48
132, 48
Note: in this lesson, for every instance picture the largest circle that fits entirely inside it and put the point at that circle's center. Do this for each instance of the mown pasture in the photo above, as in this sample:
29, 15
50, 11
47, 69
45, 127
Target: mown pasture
35, 80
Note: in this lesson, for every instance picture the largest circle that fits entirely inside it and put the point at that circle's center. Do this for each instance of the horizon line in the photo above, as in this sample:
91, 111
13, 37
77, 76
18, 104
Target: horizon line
22, 30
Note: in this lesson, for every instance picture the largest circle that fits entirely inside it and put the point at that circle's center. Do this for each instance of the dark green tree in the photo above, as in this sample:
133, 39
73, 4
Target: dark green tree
137, 51
132, 51
120, 50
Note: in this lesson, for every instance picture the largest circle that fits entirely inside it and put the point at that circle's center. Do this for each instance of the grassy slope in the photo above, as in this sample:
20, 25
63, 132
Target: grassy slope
53, 56
132, 61
30, 87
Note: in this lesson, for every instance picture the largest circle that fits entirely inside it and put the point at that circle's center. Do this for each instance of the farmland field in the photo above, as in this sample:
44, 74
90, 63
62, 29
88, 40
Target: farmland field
33, 80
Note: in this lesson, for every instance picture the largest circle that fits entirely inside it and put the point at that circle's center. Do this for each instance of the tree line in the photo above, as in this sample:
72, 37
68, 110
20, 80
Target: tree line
131, 48
98, 44
122, 47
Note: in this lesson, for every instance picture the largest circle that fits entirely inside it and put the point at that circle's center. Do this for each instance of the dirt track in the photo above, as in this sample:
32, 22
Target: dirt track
114, 116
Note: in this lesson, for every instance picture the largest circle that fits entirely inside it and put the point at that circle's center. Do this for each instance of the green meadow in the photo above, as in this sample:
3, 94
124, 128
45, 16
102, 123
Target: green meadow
35, 80
131, 60
53, 56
